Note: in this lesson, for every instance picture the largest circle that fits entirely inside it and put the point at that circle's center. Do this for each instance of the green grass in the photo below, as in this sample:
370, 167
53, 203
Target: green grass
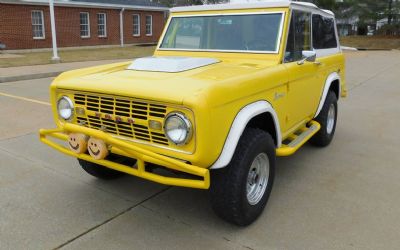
79, 55
371, 42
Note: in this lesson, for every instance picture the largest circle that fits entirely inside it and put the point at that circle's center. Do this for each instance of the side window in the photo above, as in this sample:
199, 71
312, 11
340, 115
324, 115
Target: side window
299, 37
324, 36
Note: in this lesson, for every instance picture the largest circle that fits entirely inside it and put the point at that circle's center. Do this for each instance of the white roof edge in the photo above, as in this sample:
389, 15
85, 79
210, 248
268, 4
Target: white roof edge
248, 5
85, 4
329, 12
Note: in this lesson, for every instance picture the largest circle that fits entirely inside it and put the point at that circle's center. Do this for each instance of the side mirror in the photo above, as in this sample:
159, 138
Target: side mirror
308, 55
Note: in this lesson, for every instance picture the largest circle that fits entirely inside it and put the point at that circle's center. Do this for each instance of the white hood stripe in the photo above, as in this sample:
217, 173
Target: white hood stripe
170, 64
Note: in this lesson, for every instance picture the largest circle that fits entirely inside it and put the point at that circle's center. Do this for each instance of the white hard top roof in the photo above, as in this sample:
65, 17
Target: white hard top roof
250, 5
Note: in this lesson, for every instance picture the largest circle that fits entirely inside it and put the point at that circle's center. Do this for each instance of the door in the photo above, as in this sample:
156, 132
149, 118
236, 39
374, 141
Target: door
303, 91
326, 45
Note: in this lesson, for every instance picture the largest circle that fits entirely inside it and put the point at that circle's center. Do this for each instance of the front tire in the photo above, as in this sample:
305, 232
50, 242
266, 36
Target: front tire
240, 191
102, 172
327, 119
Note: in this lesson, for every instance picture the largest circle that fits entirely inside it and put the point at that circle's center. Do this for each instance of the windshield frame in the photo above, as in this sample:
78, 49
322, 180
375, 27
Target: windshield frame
279, 37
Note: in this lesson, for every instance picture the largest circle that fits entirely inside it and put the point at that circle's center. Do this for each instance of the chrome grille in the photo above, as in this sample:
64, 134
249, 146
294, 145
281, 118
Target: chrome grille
123, 108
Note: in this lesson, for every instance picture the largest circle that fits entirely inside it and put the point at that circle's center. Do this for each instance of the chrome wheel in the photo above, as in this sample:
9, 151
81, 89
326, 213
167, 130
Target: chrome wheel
257, 179
331, 119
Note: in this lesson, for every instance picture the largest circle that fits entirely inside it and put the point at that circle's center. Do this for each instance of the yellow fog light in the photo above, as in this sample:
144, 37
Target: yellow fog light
156, 125
80, 111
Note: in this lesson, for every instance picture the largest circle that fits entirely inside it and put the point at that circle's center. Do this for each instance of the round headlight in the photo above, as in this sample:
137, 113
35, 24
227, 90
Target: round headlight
177, 128
65, 108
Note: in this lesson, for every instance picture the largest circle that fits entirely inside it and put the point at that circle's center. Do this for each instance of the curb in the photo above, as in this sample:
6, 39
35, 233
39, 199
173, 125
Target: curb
28, 77
348, 48
373, 49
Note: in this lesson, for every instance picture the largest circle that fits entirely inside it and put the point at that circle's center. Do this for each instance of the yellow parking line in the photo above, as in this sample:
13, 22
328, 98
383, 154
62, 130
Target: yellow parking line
24, 99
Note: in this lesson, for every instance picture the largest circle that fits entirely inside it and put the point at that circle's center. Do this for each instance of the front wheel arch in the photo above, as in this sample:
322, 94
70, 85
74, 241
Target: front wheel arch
247, 115
264, 122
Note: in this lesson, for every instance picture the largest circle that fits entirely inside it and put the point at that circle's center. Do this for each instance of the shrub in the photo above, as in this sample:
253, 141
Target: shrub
390, 30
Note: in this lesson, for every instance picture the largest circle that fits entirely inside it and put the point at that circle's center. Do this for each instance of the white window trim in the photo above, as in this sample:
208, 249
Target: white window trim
88, 18
279, 41
133, 23
151, 25
105, 24
44, 32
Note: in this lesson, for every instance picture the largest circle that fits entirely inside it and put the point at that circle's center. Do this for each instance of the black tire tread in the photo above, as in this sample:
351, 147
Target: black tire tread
227, 183
99, 171
322, 138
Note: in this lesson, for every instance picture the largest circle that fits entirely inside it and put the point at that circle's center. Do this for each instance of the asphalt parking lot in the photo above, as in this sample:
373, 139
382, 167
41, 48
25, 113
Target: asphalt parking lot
345, 196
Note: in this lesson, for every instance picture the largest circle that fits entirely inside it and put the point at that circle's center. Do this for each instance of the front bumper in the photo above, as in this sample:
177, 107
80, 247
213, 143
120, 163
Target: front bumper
120, 147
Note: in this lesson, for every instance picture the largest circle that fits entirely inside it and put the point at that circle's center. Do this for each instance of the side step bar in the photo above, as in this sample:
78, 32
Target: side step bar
297, 139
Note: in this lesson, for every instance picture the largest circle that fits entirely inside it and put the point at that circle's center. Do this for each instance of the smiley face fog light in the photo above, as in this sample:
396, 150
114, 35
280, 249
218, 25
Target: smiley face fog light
97, 148
78, 142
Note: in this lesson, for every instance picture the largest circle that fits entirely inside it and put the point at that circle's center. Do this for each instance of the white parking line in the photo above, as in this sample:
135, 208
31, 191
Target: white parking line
25, 99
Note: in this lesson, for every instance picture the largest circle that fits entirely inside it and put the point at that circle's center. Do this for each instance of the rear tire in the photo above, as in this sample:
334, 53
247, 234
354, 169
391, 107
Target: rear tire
240, 191
327, 119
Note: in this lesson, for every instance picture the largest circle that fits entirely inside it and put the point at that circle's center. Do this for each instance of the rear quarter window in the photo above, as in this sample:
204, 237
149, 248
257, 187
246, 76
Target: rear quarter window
323, 31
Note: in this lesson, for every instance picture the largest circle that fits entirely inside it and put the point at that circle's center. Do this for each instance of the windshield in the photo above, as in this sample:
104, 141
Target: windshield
247, 32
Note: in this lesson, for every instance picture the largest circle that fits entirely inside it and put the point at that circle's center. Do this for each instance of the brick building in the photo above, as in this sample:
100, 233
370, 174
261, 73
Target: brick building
25, 24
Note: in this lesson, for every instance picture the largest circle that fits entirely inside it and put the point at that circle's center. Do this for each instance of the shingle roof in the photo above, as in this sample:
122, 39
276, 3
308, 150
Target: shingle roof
127, 4
123, 2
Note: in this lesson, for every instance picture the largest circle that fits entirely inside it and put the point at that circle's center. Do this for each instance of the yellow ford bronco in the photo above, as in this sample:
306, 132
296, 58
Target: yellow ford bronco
229, 88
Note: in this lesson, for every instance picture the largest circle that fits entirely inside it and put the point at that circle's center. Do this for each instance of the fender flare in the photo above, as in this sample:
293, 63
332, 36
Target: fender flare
239, 124
332, 77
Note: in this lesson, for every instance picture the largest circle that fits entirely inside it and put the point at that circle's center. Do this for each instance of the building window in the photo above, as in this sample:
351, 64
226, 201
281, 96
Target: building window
149, 25
85, 25
38, 24
102, 24
136, 25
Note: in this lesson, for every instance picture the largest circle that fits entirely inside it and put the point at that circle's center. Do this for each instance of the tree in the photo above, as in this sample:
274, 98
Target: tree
393, 11
174, 3
326, 4
389, 10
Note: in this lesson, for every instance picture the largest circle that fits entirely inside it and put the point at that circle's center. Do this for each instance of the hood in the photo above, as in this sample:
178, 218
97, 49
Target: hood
170, 64
169, 87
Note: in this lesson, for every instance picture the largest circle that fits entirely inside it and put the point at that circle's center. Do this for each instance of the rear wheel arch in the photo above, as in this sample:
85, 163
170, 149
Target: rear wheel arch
335, 88
332, 83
